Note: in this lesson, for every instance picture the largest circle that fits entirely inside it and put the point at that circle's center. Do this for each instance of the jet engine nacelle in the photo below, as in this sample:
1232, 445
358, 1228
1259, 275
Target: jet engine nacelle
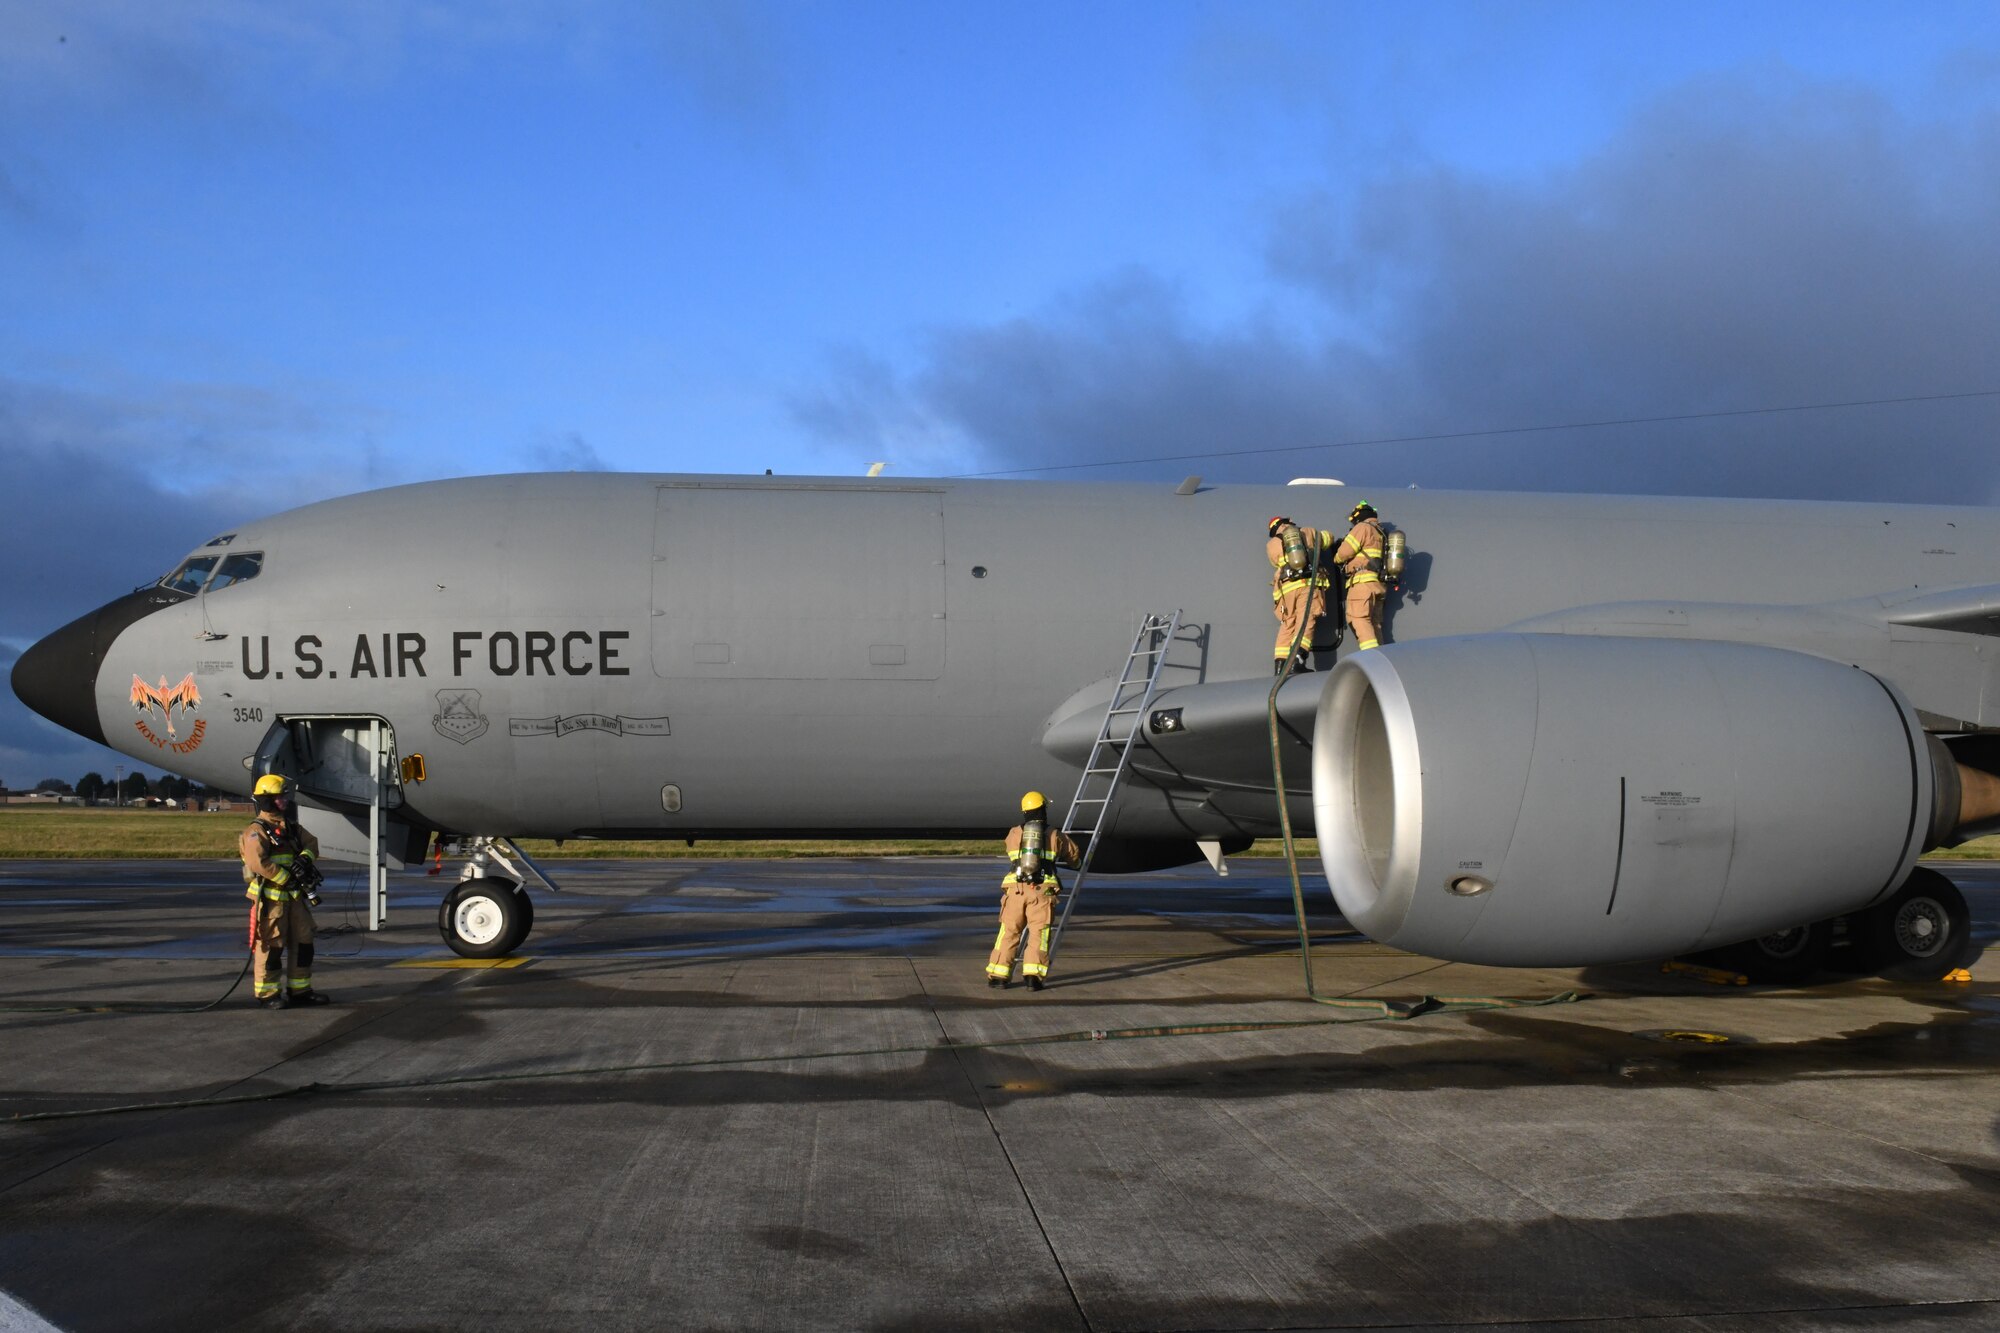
1530, 799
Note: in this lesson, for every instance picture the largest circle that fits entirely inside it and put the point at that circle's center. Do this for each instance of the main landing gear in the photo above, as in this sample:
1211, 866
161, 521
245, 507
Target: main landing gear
1922, 933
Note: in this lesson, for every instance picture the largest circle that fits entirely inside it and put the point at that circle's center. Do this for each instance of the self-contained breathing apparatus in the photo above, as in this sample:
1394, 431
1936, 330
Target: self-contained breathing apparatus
273, 796
1034, 839
1296, 557
1394, 559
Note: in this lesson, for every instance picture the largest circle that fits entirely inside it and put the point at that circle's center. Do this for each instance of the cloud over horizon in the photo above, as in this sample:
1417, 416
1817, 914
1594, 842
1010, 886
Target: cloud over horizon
1746, 241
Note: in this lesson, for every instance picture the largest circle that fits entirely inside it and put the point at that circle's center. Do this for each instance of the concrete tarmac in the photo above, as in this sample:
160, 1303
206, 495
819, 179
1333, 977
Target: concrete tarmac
775, 1103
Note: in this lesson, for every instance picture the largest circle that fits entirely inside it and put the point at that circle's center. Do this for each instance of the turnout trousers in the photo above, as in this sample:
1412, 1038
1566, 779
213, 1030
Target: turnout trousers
272, 927
1293, 605
1364, 612
1025, 909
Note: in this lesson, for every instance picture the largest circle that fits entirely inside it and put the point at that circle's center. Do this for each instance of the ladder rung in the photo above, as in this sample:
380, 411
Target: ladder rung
1130, 696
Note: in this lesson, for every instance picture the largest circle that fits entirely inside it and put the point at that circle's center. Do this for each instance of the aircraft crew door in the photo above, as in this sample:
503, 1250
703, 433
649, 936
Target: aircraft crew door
349, 790
798, 581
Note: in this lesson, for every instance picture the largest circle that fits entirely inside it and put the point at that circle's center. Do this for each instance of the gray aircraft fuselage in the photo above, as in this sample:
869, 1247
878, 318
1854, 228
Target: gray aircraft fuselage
850, 657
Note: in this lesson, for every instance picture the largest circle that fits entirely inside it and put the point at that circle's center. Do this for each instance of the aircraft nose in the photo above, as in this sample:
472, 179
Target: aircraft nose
57, 677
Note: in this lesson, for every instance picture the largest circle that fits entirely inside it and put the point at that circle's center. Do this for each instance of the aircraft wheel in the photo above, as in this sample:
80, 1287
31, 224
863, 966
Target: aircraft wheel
1920, 934
1784, 957
485, 918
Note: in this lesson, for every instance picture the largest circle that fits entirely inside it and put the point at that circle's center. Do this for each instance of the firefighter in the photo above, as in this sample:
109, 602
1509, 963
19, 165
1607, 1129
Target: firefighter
277, 856
1297, 592
1028, 893
1359, 556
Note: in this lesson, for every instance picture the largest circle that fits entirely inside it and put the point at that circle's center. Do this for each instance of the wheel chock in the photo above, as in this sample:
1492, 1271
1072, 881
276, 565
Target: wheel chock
1715, 976
1957, 974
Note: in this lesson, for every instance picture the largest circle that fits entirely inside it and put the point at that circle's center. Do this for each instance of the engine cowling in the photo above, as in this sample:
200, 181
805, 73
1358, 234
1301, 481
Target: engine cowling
1531, 799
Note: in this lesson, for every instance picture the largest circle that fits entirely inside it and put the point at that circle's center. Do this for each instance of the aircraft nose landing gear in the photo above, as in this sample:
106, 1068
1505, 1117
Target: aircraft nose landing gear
489, 913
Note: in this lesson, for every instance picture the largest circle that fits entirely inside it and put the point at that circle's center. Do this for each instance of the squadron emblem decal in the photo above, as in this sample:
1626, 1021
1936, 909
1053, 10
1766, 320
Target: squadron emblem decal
160, 702
458, 717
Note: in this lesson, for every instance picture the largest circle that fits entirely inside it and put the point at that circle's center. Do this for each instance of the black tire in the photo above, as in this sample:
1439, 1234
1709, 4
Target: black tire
485, 918
1782, 958
1923, 932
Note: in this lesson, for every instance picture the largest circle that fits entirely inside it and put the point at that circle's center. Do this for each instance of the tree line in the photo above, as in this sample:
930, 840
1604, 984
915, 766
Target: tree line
93, 787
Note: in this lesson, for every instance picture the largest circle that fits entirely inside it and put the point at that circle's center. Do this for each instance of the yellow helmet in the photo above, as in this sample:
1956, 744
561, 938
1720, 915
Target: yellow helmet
271, 784
1032, 802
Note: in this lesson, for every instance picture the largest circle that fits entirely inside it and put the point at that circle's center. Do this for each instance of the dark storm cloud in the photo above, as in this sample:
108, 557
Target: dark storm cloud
93, 528
1737, 246
92, 519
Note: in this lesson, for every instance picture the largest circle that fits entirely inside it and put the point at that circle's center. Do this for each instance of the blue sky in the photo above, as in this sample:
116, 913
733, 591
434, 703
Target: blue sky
254, 254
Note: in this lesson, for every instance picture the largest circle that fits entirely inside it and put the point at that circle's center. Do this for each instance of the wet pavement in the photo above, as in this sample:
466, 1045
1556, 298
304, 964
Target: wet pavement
778, 1094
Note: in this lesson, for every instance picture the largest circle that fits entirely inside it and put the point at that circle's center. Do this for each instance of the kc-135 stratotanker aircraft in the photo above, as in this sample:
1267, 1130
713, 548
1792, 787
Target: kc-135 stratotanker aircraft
1598, 729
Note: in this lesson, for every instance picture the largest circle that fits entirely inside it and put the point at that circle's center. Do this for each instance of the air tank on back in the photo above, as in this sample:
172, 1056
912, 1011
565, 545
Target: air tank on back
1395, 557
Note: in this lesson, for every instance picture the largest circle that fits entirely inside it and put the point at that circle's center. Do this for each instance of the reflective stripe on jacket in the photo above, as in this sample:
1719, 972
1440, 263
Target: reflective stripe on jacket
269, 850
1359, 554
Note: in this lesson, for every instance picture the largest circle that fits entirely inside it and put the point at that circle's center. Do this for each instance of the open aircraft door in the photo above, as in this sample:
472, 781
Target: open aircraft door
349, 777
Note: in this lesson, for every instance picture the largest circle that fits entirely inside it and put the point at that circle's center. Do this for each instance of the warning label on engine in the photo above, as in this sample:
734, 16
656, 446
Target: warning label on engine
1671, 798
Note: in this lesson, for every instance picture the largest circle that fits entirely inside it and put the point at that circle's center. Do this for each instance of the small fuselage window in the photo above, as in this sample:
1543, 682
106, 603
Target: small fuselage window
238, 568
191, 575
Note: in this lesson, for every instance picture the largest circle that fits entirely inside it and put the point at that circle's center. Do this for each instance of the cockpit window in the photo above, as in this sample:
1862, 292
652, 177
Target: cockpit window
236, 568
191, 575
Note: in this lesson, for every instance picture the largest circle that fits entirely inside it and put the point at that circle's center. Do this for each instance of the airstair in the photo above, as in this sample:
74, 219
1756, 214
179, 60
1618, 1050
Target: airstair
1090, 809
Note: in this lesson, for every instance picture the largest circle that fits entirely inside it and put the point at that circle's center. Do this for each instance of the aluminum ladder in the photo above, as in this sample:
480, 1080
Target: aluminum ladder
1104, 770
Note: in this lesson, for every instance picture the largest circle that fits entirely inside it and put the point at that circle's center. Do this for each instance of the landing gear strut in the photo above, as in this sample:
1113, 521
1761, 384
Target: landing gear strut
490, 914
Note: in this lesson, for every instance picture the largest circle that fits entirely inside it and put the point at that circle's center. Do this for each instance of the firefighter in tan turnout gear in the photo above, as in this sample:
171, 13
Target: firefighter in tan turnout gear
1028, 893
1359, 556
279, 872
1298, 592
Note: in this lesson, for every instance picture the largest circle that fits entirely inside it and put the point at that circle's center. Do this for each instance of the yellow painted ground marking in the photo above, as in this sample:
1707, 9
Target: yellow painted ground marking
515, 961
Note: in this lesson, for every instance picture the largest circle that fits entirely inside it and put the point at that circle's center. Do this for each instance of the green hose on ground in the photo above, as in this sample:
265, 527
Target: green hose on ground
131, 1006
1291, 849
